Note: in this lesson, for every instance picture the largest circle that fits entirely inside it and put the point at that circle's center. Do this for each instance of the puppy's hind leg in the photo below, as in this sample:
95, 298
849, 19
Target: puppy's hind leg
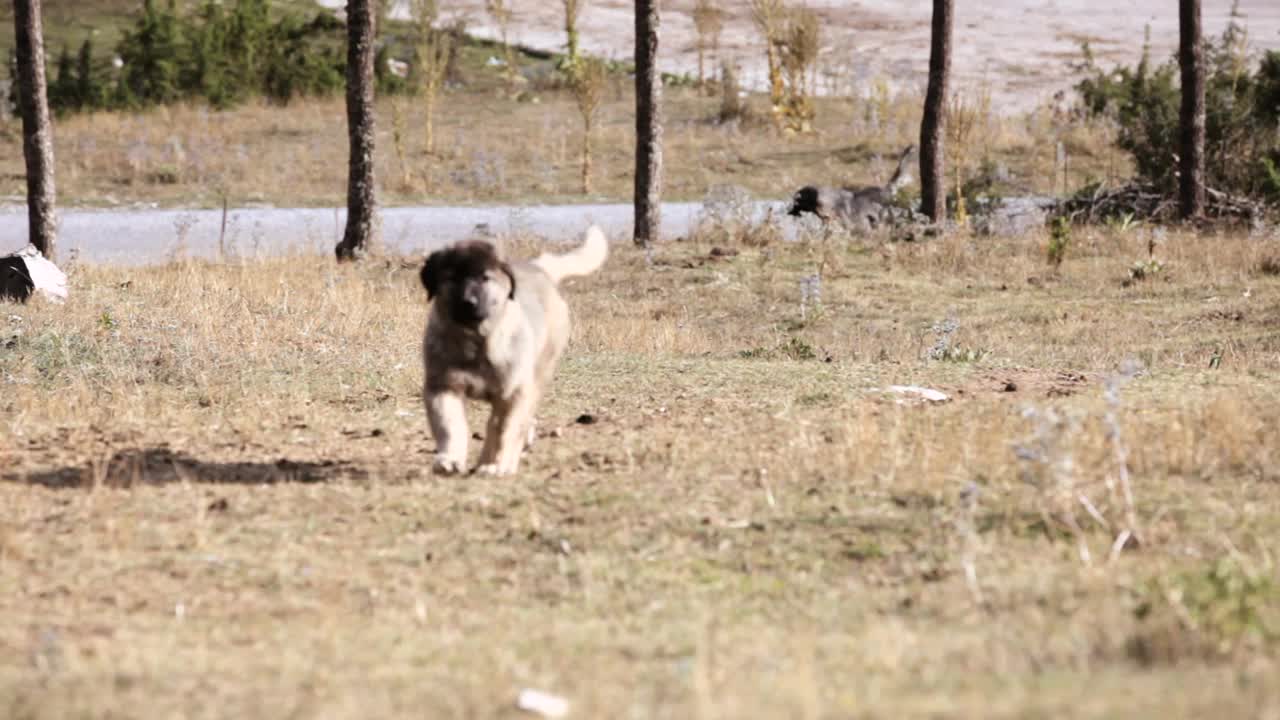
446, 413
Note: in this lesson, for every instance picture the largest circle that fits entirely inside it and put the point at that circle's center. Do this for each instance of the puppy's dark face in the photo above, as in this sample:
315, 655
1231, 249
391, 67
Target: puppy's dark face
805, 200
15, 281
471, 281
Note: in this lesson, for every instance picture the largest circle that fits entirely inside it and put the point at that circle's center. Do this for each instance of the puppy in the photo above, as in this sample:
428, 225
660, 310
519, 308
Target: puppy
495, 332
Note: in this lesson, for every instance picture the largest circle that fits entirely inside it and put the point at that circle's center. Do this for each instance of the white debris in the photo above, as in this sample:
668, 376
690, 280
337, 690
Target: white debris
541, 703
399, 68
921, 392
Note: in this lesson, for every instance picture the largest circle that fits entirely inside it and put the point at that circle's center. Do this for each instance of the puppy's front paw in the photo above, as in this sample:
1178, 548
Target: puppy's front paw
446, 466
494, 470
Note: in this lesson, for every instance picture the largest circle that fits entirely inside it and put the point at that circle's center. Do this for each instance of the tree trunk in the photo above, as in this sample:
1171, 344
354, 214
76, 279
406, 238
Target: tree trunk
37, 132
362, 201
933, 194
648, 195
1191, 159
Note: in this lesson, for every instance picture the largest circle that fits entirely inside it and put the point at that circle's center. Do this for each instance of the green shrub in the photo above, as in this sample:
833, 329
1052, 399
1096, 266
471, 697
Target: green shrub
1242, 146
221, 52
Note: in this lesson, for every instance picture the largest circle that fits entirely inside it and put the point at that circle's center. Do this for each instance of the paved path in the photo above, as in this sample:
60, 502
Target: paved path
147, 236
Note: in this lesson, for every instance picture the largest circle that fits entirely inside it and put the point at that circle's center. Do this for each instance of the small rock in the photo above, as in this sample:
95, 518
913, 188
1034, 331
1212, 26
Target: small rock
586, 419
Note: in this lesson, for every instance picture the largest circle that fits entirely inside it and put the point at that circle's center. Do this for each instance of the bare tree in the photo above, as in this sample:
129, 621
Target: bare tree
648, 196
572, 11
432, 48
708, 22
933, 194
1191, 135
798, 48
768, 18
362, 201
502, 14
37, 132
588, 83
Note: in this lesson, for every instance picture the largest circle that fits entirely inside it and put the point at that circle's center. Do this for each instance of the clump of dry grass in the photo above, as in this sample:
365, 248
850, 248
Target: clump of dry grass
215, 495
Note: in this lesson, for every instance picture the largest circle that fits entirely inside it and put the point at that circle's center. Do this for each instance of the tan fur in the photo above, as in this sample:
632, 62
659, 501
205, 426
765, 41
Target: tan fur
504, 354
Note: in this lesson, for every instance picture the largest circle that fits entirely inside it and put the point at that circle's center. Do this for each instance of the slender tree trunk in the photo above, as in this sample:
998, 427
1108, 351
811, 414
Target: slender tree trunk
933, 195
362, 202
648, 196
37, 132
775, 73
701, 54
586, 155
429, 121
1191, 159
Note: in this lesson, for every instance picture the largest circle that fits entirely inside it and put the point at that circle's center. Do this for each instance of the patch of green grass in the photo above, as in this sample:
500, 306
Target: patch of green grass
1216, 609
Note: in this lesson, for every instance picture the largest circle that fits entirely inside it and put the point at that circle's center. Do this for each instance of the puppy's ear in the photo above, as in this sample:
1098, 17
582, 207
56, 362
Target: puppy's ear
431, 272
512, 277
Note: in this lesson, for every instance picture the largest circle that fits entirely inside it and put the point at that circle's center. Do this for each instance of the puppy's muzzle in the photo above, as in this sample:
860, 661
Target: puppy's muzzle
471, 309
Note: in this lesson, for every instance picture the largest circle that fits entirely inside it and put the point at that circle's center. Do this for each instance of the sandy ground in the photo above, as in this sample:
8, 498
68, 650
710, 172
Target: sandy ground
1020, 48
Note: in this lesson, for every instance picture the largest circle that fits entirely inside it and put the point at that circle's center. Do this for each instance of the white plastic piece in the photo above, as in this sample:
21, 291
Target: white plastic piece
541, 703
923, 392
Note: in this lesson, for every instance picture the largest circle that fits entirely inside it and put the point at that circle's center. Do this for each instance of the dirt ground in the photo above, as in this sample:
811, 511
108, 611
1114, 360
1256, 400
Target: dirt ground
215, 496
1019, 50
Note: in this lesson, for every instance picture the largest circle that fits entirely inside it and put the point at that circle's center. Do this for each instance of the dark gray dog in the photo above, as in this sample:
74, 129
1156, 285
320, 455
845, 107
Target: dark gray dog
861, 208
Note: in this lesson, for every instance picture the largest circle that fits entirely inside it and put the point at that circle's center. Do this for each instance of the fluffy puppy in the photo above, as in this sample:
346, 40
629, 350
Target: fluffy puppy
495, 333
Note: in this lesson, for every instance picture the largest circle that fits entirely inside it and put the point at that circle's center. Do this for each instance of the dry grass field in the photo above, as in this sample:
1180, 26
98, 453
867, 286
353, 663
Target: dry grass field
494, 148
215, 497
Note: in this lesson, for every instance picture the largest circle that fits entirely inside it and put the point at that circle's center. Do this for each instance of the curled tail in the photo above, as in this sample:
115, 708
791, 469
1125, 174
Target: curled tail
902, 176
582, 260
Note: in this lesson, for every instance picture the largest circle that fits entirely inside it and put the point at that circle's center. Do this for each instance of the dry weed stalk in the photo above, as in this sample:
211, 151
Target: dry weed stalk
588, 84
964, 116
1051, 470
967, 525
398, 140
1128, 370
432, 49
731, 106
769, 17
799, 46
708, 22
502, 14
